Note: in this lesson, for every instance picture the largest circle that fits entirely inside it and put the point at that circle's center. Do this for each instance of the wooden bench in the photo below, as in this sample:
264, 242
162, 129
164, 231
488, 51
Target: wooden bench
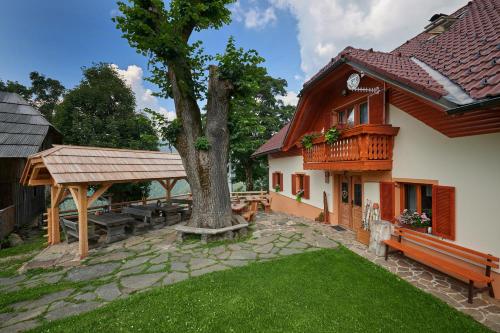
430, 257
70, 231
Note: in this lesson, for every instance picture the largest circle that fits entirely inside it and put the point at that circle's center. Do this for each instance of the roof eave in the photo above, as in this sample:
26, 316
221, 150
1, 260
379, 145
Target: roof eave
482, 104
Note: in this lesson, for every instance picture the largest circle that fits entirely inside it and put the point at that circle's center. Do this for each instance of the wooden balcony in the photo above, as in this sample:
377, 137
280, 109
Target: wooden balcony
364, 147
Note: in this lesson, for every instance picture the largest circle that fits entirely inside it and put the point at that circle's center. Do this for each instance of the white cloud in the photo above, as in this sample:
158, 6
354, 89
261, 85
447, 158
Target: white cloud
134, 78
325, 27
254, 17
290, 98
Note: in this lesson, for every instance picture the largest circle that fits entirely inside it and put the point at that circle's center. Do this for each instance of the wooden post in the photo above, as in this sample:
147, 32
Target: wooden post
168, 190
55, 198
79, 194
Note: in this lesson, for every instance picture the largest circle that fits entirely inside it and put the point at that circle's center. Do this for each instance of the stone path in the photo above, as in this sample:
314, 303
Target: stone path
155, 259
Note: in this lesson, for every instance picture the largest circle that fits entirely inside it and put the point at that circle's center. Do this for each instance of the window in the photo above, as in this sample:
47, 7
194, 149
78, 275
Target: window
417, 198
363, 113
358, 194
301, 182
277, 181
345, 192
350, 117
341, 117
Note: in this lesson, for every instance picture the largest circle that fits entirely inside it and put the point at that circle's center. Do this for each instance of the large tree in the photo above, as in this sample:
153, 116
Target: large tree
162, 33
252, 121
101, 111
44, 92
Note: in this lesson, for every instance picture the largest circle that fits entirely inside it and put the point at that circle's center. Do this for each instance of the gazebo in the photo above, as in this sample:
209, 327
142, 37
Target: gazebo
74, 168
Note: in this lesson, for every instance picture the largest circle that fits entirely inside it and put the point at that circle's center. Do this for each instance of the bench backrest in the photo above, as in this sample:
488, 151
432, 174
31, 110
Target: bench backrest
476, 257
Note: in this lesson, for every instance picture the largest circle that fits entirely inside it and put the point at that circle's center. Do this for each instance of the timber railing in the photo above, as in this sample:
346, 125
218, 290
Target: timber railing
360, 143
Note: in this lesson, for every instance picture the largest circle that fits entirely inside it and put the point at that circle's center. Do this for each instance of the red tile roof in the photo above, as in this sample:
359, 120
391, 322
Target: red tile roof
273, 144
468, 53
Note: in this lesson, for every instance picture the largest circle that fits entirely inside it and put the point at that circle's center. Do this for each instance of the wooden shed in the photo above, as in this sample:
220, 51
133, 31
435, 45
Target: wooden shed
23, 132
72, 169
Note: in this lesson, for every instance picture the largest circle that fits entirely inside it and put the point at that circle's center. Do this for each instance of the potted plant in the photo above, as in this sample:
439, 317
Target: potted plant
277, 188
332, 135
414, 220
299, 195
307, 141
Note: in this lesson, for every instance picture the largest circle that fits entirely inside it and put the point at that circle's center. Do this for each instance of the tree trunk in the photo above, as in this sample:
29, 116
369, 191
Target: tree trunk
206, 170
249, 177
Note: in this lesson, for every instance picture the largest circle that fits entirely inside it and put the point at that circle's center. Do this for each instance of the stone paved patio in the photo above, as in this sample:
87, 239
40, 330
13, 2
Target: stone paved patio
155, 259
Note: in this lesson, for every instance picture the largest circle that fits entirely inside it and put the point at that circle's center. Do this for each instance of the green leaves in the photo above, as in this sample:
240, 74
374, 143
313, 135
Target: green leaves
202, 143
100, 112
332, 135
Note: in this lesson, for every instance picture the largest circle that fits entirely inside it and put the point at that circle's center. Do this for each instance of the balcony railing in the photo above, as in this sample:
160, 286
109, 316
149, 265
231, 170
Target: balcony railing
364, 147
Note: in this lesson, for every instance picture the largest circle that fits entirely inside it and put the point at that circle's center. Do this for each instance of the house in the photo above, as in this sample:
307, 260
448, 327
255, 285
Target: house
23, 131
419, 130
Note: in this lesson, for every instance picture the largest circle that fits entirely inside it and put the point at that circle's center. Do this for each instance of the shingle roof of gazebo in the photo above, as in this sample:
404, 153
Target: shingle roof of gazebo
93, 165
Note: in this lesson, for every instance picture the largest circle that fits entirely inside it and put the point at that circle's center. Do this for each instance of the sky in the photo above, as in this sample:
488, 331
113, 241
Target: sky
296, 37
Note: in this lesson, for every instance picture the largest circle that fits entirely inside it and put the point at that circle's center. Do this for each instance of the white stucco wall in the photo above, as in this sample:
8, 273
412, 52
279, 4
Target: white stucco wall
293, 164
470, 164
371, 191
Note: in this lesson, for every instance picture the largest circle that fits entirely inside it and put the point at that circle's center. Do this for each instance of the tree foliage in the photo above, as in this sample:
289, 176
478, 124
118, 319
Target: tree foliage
183, 71
253, 120
100, 111
44, 93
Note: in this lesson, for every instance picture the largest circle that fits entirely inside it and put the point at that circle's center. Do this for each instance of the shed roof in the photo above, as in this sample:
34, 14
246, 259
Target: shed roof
22, 127
66, 165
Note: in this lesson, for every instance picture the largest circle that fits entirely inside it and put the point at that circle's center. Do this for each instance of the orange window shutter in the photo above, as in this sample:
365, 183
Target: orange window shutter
280, 176
307, 183
274, 180
443, 211
294, 184
387, 193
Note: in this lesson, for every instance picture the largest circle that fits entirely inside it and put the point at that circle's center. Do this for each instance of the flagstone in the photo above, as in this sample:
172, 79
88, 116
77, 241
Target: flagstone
214, 268
22, 316
175, 277
197, 263
86, 273
71, 309
142, 281
178, 266
108, 292
135, 262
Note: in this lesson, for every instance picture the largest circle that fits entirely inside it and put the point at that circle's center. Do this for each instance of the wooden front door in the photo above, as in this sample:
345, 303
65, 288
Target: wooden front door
345, 202
351, 201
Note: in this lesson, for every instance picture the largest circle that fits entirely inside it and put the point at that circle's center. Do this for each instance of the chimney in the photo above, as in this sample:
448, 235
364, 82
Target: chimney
439, 23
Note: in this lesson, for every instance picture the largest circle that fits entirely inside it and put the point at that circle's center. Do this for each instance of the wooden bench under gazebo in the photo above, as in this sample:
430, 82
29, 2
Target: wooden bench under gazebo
72, 169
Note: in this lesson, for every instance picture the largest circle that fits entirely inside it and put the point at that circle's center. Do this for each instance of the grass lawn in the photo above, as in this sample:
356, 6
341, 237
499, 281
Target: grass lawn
323, 291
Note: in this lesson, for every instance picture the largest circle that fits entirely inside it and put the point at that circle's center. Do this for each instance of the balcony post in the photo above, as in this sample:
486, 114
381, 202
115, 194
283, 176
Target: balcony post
363, 147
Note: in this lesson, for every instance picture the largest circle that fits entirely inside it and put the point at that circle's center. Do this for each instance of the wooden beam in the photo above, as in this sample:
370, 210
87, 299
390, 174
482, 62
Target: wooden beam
56, 194
74, 194
163, 184
104, 187
83, 240
37, 182
172, 184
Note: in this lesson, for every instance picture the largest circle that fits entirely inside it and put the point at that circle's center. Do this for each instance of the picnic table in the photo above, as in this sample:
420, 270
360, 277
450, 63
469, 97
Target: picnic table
238, 207
114, 223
